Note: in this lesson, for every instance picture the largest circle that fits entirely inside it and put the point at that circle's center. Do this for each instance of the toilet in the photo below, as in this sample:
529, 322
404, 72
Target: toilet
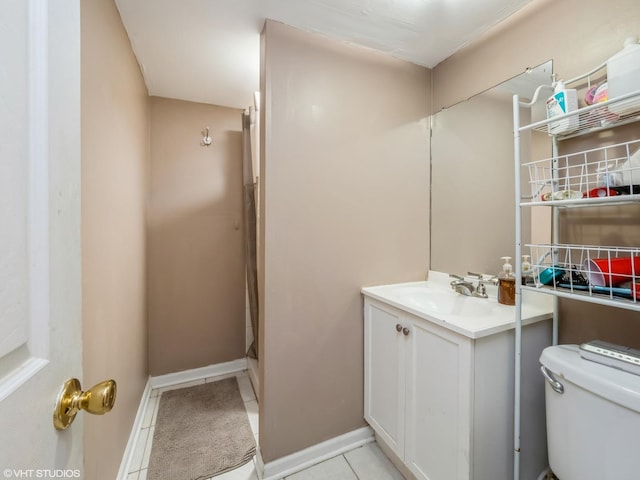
593, 426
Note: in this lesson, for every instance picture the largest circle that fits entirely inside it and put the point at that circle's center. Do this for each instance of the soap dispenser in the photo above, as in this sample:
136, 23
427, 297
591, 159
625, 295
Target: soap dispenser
506, 284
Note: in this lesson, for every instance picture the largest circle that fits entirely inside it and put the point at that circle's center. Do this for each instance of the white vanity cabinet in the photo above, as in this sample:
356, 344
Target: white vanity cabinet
442, 401
385, 353
438, 402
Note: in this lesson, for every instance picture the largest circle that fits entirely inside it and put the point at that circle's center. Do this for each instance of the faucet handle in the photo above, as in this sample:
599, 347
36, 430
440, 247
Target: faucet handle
477, 276
457, 277
493, 280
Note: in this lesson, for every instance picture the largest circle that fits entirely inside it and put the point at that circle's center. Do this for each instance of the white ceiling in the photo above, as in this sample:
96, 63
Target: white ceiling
209, 50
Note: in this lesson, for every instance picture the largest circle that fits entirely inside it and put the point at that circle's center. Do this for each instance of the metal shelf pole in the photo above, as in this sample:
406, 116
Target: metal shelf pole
518, 273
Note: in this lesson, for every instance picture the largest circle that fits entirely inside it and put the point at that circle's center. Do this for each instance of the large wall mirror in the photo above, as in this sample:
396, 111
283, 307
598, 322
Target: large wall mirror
472, 177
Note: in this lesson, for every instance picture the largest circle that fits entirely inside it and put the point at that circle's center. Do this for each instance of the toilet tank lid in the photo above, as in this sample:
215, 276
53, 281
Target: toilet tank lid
612, 384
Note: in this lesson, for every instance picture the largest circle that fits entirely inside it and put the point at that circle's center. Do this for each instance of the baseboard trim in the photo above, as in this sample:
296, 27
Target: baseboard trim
123, 472
225, 368
167, 381
252, 368
310, 456
275, 470
393, 457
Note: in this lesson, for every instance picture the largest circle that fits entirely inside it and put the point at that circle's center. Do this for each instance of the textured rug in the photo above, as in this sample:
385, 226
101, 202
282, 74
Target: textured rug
200, 432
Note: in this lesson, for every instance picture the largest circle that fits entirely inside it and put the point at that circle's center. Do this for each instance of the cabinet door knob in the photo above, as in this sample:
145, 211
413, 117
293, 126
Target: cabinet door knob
406, 331
398, 327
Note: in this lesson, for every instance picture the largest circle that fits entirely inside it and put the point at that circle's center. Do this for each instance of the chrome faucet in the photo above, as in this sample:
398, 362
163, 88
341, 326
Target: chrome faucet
481, 289
462, 286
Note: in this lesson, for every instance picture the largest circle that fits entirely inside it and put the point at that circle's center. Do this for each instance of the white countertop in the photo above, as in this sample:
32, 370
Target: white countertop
435, 301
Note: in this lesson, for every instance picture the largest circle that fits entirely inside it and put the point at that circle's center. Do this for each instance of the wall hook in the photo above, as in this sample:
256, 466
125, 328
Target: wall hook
206, 139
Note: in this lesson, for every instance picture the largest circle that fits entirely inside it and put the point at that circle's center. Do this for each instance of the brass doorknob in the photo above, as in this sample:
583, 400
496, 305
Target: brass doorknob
98, 400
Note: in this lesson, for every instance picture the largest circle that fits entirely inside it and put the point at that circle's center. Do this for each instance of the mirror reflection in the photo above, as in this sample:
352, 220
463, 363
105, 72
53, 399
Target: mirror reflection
472, 176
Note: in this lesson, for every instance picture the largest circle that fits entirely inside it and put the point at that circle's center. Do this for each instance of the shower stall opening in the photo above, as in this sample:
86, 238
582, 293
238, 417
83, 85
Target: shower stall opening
250, 168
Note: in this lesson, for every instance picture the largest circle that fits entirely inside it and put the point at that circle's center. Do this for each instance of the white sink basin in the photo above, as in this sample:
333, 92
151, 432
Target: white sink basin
444, 301
435, 301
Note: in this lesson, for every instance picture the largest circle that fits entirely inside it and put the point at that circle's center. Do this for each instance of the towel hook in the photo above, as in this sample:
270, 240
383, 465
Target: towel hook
206, 139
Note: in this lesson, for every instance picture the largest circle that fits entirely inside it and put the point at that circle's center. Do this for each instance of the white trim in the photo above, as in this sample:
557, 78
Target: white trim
259, 463
166, 381
123, 473
38, 180
308, 457
38, 202
254, 376
170, 379
271, 471
21, 375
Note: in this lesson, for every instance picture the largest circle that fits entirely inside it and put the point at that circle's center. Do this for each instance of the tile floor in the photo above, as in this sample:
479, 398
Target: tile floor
363, 463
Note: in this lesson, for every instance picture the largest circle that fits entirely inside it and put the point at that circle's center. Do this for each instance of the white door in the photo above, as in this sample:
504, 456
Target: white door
384, 380
40, 289
438, 403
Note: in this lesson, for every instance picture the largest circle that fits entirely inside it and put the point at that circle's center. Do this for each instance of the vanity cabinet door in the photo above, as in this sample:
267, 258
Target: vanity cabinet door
438, 403
384, 374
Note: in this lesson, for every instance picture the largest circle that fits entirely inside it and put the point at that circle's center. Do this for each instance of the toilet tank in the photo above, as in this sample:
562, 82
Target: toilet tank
593, 428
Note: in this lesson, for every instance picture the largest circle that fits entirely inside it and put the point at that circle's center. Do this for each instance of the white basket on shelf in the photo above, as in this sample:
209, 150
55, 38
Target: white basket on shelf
614, 111
604, 172
608, 272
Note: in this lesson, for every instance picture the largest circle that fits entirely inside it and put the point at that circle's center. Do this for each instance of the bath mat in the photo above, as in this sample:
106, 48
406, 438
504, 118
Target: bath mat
200, 432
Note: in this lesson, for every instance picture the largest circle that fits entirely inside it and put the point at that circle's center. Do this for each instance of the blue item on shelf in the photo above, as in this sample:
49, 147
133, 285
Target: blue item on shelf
548, 275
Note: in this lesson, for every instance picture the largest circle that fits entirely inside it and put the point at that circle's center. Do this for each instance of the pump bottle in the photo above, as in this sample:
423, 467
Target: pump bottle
506, 284
563, 101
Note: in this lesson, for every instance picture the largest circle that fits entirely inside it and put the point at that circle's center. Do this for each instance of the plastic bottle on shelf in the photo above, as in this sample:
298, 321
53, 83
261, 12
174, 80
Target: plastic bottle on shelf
506, 284
527, 271
623, 76
564, 100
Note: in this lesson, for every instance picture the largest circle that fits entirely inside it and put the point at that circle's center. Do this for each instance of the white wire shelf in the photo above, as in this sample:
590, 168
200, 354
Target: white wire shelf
609, 174
593, 118
587, 297
598, 274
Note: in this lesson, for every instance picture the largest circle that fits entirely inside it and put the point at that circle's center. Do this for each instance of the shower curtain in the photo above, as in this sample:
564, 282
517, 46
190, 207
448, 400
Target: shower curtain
250, 242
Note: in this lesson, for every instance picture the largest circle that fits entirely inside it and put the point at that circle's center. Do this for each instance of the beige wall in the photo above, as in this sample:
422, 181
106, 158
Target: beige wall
577, 39
575, 36
196, 295
345, 182
115, 151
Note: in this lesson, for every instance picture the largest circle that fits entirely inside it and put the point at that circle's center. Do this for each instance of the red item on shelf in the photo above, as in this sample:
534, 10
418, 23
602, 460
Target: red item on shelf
602, 192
